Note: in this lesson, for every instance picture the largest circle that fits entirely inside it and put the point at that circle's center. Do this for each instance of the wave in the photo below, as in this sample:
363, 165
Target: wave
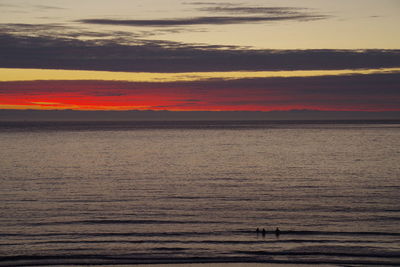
121, 222
333, 233
325, 253
113, 234
93, 259
208, 233
204, 242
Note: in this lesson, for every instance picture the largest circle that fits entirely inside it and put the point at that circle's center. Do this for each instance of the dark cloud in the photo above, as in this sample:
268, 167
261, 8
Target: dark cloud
47, 7
191, 100
235, 14
63, 32
104, 93
272, 11
54, 52
21, 29
363, 92
221, 20
207, 3
56, 46
375, 92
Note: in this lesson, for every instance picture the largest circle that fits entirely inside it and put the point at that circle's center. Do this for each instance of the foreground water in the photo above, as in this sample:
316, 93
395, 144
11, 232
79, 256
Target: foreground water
171, 192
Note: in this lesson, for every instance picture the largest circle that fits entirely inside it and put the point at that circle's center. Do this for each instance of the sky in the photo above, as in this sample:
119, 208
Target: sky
193, 55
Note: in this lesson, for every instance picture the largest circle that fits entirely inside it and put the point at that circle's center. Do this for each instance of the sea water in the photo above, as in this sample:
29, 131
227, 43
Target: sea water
173, 192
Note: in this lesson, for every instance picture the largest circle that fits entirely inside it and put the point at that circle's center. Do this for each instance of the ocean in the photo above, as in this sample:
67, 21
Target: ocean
115, 193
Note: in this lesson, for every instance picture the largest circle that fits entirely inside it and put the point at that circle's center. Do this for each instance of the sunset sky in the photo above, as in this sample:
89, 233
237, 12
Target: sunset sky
183, 55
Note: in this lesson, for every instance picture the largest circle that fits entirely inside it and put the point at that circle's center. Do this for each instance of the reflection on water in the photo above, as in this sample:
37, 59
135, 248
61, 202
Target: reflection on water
200, 190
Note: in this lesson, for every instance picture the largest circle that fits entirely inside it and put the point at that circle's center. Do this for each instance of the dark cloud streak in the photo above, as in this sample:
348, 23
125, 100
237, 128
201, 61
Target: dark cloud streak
277, 11
374, 88
52, 52
56, 46
237, 14
222, 20
46, 7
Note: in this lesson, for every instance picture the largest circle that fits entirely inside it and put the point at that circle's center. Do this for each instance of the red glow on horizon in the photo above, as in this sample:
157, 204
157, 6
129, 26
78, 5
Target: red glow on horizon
100, 95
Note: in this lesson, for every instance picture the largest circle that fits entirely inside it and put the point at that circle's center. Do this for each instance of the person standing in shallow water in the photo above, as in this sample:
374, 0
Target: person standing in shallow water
277, 231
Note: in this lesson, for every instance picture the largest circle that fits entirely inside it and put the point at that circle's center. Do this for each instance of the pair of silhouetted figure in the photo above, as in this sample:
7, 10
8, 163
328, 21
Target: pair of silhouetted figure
263, 232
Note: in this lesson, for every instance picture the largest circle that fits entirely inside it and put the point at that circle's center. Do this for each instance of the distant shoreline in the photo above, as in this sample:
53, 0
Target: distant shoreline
149, 115
192, 125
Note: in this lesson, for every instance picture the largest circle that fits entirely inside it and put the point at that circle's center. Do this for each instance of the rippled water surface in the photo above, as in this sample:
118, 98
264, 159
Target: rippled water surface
115, 193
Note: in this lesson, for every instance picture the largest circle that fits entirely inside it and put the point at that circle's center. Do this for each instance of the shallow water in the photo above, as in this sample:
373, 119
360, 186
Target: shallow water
148, 192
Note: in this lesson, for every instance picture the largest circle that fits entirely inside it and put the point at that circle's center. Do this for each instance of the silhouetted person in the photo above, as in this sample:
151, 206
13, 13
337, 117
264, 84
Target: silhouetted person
258, 230
263, 232
277, 231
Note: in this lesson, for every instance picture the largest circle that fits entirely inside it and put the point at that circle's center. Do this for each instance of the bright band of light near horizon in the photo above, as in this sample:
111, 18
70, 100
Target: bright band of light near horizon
8, 74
